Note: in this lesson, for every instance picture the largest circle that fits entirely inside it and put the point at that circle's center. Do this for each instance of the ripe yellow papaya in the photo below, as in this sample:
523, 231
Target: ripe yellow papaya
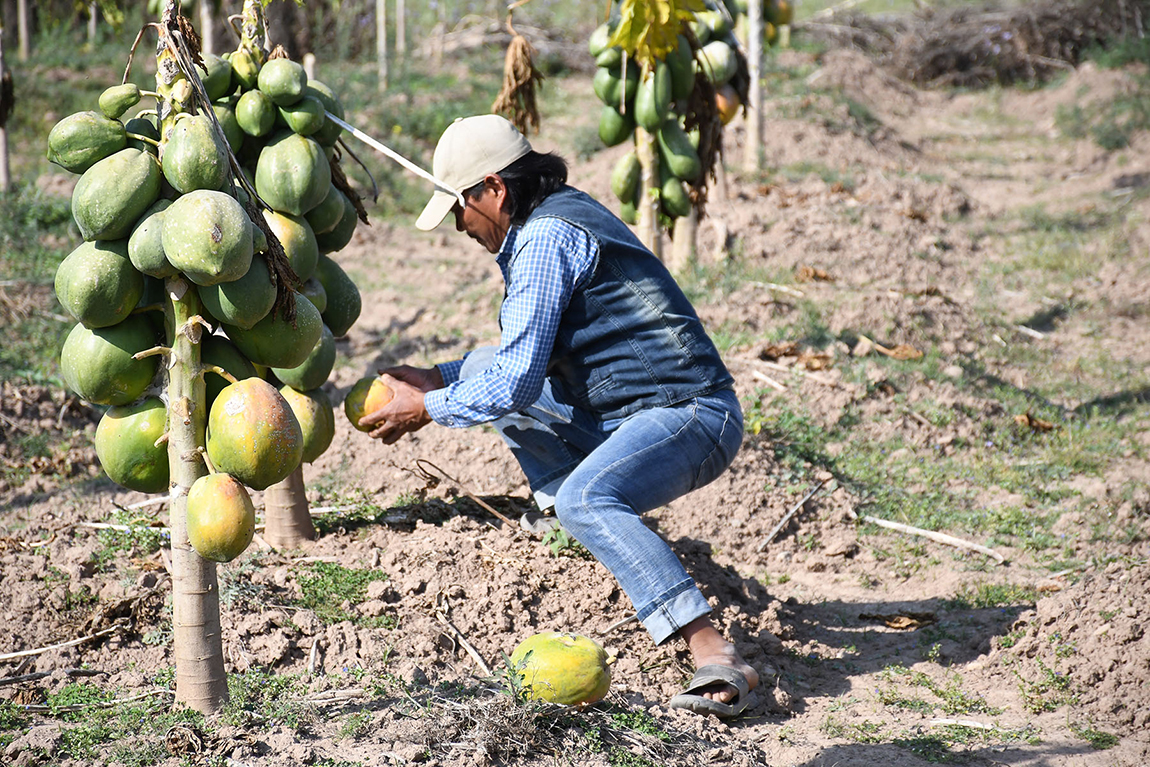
367, 395
562, 668
253, 434
221, 517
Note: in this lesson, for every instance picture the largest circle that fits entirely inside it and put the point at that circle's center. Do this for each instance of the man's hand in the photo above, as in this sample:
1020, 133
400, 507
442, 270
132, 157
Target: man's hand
405, 413
424, 379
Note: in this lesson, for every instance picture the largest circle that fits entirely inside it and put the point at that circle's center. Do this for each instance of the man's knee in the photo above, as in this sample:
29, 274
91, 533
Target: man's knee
477, 361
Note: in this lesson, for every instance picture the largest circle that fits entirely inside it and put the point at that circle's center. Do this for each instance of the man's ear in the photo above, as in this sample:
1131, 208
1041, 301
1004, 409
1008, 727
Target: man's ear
496, 184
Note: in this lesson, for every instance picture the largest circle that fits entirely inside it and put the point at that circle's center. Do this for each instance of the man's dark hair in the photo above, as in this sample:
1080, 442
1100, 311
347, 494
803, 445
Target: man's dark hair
529, 180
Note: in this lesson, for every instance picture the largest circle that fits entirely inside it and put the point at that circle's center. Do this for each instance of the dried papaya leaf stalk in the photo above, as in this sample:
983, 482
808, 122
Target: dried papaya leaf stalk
516, 99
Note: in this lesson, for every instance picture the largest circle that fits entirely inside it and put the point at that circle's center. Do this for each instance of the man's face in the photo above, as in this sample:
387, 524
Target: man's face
483, 219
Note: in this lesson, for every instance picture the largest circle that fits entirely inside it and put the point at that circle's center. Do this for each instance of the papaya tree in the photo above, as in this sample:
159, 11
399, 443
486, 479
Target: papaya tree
660, 63
220, 273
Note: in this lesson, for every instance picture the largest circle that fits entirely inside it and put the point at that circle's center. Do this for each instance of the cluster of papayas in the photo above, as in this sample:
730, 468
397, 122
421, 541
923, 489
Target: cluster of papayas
655, 100
154, 207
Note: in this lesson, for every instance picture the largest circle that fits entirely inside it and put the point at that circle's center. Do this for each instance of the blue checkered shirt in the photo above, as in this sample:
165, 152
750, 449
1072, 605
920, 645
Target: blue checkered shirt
543, 264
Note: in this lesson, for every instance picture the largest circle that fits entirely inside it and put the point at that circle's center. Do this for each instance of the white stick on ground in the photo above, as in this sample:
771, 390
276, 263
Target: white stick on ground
61, 645
943, 538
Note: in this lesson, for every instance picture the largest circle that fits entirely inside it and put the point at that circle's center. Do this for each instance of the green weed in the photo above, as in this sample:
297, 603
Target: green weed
1048, 692
865, 731
117, 546
1098, 740
563, 544
326, 586
988, 595
267, 699
356, 725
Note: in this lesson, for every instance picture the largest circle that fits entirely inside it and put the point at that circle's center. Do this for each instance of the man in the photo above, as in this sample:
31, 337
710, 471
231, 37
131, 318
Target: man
605, 385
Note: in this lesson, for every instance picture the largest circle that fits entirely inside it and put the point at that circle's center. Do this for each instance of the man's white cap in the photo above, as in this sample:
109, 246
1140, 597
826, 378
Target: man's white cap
468, 151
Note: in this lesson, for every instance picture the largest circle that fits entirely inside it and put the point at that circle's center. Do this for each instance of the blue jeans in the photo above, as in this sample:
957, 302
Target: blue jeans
601, 475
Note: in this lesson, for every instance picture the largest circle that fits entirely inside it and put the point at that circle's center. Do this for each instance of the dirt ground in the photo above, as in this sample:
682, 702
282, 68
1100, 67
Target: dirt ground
862, 660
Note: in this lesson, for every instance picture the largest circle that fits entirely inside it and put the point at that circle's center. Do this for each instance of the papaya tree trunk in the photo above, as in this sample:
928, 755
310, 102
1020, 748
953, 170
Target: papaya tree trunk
401, 34
207, 26
93, 9
752, 156
685, 244
381, 42
201, 683
286, 516
22, 29
648, 203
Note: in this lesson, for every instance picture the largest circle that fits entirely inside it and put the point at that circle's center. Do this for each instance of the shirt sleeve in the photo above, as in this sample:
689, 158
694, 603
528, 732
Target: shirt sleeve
551, 257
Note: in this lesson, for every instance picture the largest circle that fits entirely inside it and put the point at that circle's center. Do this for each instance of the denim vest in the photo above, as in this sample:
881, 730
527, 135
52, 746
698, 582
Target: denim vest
629, 339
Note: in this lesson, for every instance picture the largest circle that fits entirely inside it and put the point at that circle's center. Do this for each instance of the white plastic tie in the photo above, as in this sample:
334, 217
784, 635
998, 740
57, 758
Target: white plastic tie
406, 163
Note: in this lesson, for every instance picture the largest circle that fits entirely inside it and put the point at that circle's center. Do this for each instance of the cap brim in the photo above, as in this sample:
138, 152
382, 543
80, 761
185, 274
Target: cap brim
435, 211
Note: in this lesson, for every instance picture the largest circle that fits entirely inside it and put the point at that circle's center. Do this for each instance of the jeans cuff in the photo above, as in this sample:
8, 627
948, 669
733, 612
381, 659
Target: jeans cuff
672, 610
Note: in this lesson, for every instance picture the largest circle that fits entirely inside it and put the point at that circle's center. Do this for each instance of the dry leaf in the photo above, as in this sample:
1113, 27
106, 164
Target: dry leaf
782, 349
902, 621
812, 273
812, 360
900, 352
1037, 424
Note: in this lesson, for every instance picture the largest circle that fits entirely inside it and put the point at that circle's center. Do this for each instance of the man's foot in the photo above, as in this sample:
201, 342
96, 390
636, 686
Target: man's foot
709, 648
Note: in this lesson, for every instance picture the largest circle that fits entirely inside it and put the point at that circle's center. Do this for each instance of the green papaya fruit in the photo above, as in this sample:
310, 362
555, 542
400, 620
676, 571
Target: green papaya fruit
297, 239
245, 69
145, 246
326, 216
626, 176
343, 299
145, 127
113, 193
219, 351
610, 58
275, 342
676, 152
717, 61
313, 291
97, 363
629, 213
653, 99
118, 99
681, 62
194, 156
338, 238
600, 39
126, 445
292, 174
242, 302
614, 128
313, 371
255, 113
226, 116
79, 141
305, 117
330, 132
218, 76
673, 195
208, 237
283, 80
98, 285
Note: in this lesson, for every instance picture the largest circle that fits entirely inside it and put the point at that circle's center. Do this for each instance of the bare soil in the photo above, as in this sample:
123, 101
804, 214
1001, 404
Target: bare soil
862, 659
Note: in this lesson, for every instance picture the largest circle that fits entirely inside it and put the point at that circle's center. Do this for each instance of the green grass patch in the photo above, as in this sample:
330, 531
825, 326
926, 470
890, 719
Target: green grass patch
1098, 740
326, 586
989, 595
139, 540
266, 698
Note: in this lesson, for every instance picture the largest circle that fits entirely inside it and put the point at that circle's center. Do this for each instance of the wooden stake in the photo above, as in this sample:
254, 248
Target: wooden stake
787, 517
943, 538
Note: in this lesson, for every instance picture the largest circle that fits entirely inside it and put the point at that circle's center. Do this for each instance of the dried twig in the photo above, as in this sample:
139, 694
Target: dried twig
101, 704
619, 624
71, 643
71, 672
937, 537
787, 517
457, 635
420, 463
